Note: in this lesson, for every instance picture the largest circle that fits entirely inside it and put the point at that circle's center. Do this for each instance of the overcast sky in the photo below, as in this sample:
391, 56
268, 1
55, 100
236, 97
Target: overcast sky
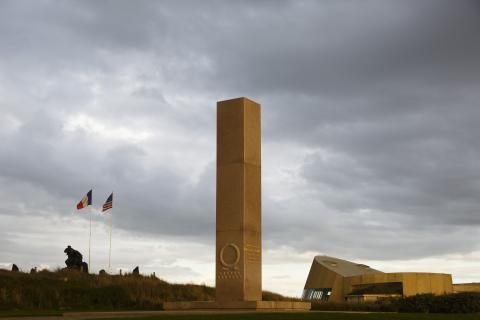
370, 132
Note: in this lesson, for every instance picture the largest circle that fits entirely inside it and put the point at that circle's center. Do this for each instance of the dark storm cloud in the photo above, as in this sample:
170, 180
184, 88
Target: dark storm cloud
378, 99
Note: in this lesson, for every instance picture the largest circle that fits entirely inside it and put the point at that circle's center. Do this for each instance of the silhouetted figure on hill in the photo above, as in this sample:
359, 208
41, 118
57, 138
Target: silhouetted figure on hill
75, 260
15, 268
136, 271
33, 270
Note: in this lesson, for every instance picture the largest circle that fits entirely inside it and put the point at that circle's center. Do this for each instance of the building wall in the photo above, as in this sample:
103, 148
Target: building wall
413, 282
321, 277
466, 287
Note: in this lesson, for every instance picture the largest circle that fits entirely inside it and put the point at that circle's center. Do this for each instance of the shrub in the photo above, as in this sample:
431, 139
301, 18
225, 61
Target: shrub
466, 302
419, 303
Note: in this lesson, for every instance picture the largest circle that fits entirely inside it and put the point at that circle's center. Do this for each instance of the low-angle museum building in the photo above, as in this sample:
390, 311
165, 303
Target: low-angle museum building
336, 280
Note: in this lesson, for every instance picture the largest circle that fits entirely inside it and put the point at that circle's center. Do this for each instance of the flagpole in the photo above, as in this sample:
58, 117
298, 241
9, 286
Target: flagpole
110, 248
90, 240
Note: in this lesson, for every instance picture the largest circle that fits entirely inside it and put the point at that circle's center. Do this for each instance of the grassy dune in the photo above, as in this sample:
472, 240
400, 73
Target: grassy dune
72, 290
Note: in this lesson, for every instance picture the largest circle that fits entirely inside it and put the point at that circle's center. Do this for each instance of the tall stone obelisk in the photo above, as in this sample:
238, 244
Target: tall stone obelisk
238, 253
238, 237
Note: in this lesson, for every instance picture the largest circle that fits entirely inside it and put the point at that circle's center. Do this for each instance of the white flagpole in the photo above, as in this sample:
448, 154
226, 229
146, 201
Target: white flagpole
110, 249
89, 241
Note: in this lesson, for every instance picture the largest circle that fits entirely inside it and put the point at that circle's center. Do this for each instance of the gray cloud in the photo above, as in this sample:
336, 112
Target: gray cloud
369, 110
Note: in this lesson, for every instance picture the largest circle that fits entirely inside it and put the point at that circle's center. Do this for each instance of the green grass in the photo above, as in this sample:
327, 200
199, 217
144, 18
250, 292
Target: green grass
315, 316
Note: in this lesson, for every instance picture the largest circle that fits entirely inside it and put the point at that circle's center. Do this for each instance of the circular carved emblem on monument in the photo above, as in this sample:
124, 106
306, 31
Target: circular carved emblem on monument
230, 256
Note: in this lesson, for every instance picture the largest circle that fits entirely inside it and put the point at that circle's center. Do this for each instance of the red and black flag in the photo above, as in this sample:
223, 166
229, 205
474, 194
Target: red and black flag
86, 201
108, 204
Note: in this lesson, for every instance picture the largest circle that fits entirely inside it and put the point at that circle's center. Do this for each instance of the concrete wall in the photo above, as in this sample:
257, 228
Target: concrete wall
466, 287
321, 277
413, 282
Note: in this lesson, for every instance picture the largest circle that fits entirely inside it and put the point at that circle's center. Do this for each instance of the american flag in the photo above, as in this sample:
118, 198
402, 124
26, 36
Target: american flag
108, 204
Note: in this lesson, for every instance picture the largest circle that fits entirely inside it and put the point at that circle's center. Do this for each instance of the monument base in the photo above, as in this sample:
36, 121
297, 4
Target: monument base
238, 305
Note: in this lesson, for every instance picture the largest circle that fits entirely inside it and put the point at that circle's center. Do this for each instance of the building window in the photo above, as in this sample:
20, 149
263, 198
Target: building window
321, 294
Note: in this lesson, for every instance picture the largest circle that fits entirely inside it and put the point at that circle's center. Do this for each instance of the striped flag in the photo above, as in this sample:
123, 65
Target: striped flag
86, 200
108, 204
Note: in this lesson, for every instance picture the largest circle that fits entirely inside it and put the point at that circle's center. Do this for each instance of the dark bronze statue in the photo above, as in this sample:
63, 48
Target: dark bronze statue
136, 271
75, 260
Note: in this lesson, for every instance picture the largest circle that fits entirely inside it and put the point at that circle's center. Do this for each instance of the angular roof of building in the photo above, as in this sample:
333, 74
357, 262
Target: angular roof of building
343, 267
